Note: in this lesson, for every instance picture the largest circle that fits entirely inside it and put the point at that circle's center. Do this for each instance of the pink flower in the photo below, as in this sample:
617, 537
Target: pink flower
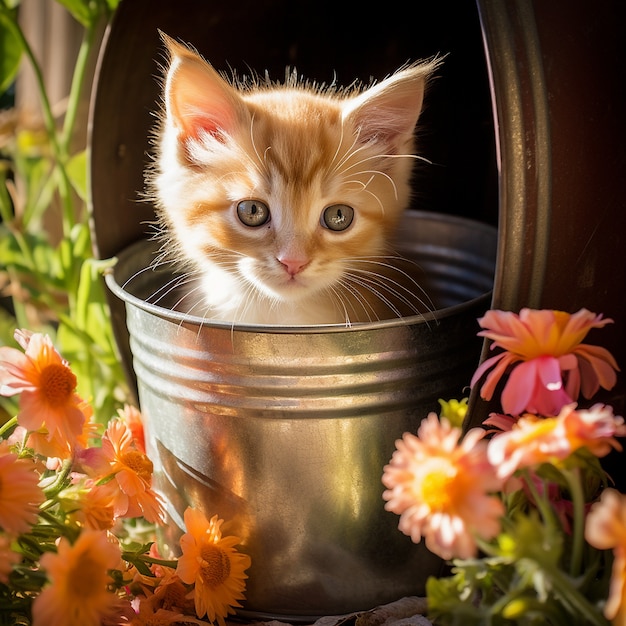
439, 486
535, 440
545, 359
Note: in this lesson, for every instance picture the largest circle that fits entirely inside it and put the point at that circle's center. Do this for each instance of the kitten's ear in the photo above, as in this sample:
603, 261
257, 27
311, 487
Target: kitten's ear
197, 99
387, 112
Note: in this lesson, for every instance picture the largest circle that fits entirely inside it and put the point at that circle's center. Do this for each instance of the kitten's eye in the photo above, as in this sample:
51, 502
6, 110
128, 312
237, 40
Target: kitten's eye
253, 212
337, 217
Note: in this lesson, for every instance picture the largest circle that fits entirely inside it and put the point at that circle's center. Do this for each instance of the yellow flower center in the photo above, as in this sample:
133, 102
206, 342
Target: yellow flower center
214, 565
531, 429
139, 463
441, 487
57, 383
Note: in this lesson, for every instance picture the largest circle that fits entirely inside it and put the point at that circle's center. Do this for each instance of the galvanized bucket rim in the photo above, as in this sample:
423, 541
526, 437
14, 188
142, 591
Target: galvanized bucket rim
180, 317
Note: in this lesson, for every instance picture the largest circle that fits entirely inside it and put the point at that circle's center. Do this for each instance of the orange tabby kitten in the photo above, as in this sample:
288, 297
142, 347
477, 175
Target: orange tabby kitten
283, 199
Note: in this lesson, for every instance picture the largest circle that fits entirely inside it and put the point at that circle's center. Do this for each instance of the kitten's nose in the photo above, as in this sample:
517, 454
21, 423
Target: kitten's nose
293, 265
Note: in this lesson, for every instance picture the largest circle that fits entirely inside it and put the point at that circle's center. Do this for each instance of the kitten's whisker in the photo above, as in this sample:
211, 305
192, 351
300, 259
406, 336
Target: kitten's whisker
371, 286
246, 301
351, 152
261, 161
379, 288
366, 307
371, 193
332, 161
429, 305
336, 298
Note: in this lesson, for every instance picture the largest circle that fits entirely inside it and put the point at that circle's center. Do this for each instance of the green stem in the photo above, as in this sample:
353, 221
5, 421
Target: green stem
78, 79
581, 606
578, 532
127, 556
60, 481
45, 102
541, 500
8, 426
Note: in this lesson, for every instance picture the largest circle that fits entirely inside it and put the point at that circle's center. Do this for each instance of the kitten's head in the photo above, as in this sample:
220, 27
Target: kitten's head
282, 186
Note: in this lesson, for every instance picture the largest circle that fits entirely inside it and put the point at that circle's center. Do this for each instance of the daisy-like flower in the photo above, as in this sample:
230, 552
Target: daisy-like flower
88, 505
79, 574
534, 440
56, 448
211, 563
47, 387
440, 486
147, 615
545, 359
8, 558
132, 417
20, 494
605, 529
171, 594
124, 474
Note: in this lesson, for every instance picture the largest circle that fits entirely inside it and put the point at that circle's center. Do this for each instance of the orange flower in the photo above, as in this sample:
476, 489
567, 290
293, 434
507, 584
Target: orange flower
171, 594
20, 494
439, 486
131, 416
211, 562
534, 440
546, 361
147, 615
88, 505
79, 574
47, 386
606, 529
8, 558
54, 447
124, 474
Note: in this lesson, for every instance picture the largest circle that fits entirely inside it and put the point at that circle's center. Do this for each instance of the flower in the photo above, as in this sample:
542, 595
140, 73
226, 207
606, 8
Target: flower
46, 385
124, 473
78, 575
148, 616
20, 494
211, 562
131, 416
439, 486
56, 448
606, 529
454, 410
8, 558
547, 362
88, 505
533, 440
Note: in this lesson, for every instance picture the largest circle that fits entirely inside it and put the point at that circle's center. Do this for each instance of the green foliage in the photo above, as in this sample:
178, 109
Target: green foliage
47, 269
520, 580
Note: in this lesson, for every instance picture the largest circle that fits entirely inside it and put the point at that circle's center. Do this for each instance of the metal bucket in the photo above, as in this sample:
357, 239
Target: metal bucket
284, 431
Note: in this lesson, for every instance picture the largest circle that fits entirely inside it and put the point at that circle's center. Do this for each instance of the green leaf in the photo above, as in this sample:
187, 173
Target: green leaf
80, 10
10, 49
77, 172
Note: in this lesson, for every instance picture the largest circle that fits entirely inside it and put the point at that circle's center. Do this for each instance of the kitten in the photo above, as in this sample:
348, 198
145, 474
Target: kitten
283, 199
